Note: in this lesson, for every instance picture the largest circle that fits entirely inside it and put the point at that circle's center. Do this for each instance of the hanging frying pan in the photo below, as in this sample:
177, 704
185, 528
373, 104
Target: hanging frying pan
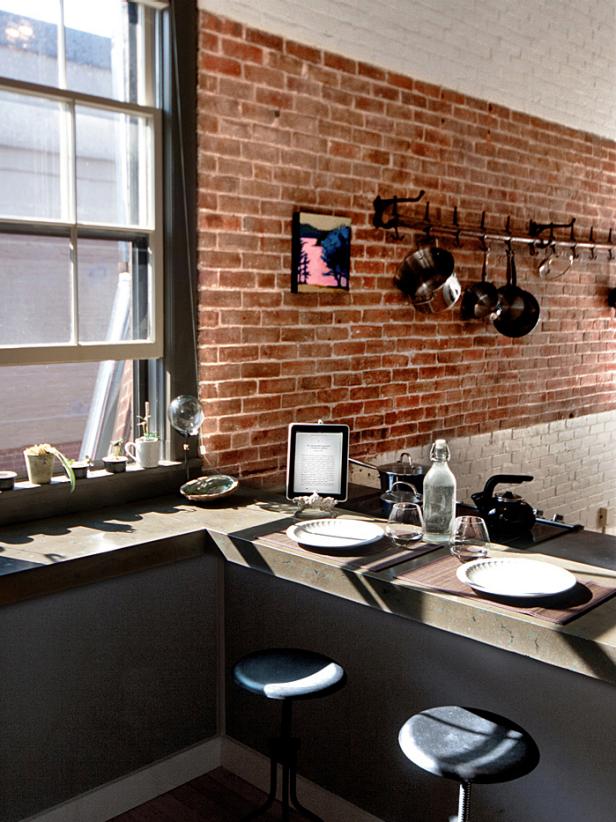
520, 310
480, 300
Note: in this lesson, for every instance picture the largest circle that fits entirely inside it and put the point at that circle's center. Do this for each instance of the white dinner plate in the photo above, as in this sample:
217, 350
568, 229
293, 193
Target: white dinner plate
516, 577
335, 533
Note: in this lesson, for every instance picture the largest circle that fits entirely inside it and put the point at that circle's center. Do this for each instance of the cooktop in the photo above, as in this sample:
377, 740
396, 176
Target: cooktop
369, 504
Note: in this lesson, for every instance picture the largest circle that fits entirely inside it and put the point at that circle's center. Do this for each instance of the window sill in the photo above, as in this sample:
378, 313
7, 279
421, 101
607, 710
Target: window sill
101, 489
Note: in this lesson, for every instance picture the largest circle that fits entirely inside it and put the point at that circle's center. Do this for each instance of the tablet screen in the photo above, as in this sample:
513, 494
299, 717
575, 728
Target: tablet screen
317, 460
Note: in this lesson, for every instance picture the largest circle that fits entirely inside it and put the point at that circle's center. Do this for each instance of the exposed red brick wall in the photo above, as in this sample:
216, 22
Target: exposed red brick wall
283, 126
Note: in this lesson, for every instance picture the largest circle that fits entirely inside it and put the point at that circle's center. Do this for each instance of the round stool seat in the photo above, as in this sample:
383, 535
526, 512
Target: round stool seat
287, 673
468, 744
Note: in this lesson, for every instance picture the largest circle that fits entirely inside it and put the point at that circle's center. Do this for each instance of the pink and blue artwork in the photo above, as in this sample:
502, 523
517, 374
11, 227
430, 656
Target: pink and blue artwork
321, 252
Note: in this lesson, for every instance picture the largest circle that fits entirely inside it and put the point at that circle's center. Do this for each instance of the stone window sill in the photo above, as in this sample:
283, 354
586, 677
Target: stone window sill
28, 502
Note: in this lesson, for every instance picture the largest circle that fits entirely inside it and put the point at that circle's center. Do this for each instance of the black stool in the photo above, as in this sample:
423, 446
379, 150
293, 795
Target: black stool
287, 674
468, 745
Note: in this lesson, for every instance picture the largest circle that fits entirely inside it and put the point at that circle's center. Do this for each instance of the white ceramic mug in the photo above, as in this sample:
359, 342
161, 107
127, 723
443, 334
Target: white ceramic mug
144, 452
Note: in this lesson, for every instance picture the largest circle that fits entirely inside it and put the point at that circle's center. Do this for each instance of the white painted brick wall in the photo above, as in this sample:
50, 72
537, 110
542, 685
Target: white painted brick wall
554, 59
573, 463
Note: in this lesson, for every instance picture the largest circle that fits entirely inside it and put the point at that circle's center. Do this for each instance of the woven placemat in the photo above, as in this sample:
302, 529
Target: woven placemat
375, 556
559, 609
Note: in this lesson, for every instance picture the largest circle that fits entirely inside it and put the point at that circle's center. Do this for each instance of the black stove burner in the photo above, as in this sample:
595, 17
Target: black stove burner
370, 504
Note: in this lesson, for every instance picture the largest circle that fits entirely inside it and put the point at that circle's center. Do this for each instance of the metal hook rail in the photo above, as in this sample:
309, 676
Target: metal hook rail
484, 234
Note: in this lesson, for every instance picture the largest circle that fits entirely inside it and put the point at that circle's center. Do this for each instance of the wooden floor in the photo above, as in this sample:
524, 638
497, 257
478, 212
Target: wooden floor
219, 796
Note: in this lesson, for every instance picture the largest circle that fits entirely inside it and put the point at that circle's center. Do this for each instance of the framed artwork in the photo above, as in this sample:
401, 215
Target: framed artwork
321, 252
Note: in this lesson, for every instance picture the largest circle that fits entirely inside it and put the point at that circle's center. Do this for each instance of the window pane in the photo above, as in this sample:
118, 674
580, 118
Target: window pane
78, 407
113, 157
35, 288
113, 282
32, 142
101, 48
29, 40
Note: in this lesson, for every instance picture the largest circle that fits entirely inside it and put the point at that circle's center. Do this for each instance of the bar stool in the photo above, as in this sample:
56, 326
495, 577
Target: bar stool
287, 674
468, 745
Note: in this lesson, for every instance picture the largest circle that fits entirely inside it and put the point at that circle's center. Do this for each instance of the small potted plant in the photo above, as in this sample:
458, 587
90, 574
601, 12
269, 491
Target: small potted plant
115, 461
7, 480
39, 464
80, 467
144, 424
145, 450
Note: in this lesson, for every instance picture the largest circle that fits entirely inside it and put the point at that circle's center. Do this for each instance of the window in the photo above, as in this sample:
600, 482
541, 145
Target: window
81, 257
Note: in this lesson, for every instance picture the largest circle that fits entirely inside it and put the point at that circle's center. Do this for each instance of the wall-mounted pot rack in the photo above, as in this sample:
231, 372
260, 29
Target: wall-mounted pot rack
387, 216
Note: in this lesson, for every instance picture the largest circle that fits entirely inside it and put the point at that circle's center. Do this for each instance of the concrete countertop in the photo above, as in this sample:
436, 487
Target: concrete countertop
88, 547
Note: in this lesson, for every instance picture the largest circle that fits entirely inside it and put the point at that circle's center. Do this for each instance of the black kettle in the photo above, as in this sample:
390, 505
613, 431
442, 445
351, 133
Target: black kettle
505, 511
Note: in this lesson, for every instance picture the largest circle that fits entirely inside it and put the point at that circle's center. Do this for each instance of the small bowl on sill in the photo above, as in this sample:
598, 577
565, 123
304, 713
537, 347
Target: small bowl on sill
80, 469
7, 480
115, 465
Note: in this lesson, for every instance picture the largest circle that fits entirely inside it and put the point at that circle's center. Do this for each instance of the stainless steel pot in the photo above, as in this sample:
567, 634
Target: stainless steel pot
427, 276
401, 471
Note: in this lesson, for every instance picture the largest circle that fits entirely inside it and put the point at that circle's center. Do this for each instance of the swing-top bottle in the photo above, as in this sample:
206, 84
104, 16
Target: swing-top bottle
439, 501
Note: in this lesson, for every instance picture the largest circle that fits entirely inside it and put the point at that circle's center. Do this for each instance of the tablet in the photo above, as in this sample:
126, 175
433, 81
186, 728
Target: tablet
318, 460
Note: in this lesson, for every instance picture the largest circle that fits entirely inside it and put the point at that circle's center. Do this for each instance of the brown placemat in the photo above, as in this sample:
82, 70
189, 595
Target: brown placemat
375, 556
440, 576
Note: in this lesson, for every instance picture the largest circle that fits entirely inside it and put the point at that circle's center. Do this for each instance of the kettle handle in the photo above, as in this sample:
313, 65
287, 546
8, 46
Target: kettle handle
398, 483
497, 479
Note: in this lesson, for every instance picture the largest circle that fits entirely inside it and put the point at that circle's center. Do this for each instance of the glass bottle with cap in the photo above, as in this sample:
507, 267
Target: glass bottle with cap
439, 495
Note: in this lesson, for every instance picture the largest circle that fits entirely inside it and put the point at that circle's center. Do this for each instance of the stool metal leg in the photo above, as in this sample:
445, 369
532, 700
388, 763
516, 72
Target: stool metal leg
297, 804
284, 752
289, 770
464, 802
272, 789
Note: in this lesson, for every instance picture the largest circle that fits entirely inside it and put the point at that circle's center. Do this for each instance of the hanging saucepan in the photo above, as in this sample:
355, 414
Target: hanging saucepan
427, 276
519, 310
480, 300
401, 471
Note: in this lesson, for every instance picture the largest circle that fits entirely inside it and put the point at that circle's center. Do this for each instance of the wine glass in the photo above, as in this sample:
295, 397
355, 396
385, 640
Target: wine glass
470, 539
405, 523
